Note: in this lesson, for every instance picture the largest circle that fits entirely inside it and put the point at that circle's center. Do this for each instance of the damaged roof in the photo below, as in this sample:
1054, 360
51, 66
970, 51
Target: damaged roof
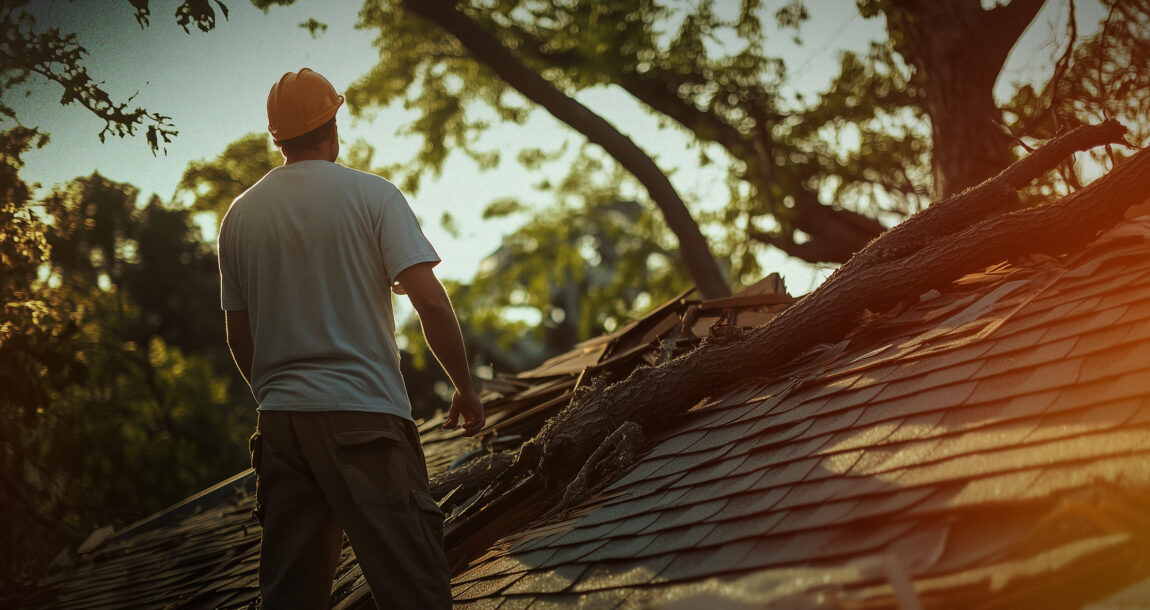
983, 445
987, 446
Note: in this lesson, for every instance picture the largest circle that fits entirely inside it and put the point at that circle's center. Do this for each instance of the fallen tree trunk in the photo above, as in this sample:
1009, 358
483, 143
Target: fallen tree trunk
875, 279
470, 478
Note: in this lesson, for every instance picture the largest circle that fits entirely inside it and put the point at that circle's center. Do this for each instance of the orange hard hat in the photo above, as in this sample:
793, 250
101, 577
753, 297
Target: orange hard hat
300, 102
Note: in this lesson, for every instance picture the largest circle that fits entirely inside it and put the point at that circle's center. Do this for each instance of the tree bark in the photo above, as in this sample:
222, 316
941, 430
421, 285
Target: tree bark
957, 49
488, 50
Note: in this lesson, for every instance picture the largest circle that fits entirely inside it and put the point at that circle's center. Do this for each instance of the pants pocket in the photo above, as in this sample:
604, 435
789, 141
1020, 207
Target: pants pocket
256, 451
431, 518
373, 465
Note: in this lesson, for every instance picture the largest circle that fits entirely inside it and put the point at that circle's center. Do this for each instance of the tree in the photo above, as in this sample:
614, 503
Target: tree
37, 357
33, 336
151, 419
920, 103
102, 418
729, 99
956, 78
100, 236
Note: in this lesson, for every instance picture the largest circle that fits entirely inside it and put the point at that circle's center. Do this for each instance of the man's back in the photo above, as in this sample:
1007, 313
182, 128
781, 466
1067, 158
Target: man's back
307, 260
312, 250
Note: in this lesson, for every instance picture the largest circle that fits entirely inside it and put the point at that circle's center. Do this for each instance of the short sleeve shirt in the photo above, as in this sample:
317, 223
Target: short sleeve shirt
311, 251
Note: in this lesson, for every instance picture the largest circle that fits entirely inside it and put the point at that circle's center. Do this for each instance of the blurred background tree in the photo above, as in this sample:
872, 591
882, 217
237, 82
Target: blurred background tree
116, 398
135, 409
590, 262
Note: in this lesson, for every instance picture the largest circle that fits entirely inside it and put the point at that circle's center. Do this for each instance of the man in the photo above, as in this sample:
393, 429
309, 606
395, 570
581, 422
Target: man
308, 258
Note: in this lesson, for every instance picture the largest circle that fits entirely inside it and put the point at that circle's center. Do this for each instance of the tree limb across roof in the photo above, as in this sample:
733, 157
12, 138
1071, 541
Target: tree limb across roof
960, 235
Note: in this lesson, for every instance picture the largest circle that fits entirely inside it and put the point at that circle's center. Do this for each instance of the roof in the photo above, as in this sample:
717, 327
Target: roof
984, 445
989, 445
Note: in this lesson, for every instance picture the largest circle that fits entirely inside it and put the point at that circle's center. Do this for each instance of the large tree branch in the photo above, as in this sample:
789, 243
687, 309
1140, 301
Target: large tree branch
650, 395
991, 198
659, 92
486, 49
835, 233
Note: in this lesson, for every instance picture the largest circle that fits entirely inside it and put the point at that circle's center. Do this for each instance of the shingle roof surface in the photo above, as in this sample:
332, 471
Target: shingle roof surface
987, 445
992, 443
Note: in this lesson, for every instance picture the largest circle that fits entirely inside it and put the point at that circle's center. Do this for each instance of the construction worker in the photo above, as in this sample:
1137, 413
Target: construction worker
309, 256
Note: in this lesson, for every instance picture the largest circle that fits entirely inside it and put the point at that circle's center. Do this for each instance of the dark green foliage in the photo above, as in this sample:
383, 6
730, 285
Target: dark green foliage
314, 27
35, 358
198, 11
116, 396
125, 404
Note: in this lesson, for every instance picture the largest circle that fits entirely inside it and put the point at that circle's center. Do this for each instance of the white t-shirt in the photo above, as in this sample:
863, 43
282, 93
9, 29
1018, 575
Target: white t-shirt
311, 251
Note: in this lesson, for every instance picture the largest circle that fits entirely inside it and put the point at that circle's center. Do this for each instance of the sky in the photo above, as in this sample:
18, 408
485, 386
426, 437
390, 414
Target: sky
214, 85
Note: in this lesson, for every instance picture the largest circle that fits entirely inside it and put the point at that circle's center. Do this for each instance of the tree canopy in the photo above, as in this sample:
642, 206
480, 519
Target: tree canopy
919, 105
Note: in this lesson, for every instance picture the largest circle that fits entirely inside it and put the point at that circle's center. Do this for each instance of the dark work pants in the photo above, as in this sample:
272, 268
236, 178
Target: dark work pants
322, 473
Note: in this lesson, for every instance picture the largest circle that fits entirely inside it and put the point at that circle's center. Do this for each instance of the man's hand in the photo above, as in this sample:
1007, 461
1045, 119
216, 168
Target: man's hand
468, 406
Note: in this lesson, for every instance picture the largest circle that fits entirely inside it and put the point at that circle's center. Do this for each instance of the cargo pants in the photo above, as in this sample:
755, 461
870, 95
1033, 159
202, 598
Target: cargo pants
322, 473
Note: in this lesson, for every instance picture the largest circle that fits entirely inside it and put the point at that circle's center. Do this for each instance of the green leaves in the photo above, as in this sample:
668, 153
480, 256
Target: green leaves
58, 57
314, 27
200, 12
213, 184
117, 400
501, 208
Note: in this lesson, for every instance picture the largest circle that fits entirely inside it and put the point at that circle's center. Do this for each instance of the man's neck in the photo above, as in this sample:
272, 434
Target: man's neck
306, 156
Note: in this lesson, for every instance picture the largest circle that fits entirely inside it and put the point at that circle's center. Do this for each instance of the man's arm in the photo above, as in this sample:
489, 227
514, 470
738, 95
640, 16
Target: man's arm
239, 330
441, 329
